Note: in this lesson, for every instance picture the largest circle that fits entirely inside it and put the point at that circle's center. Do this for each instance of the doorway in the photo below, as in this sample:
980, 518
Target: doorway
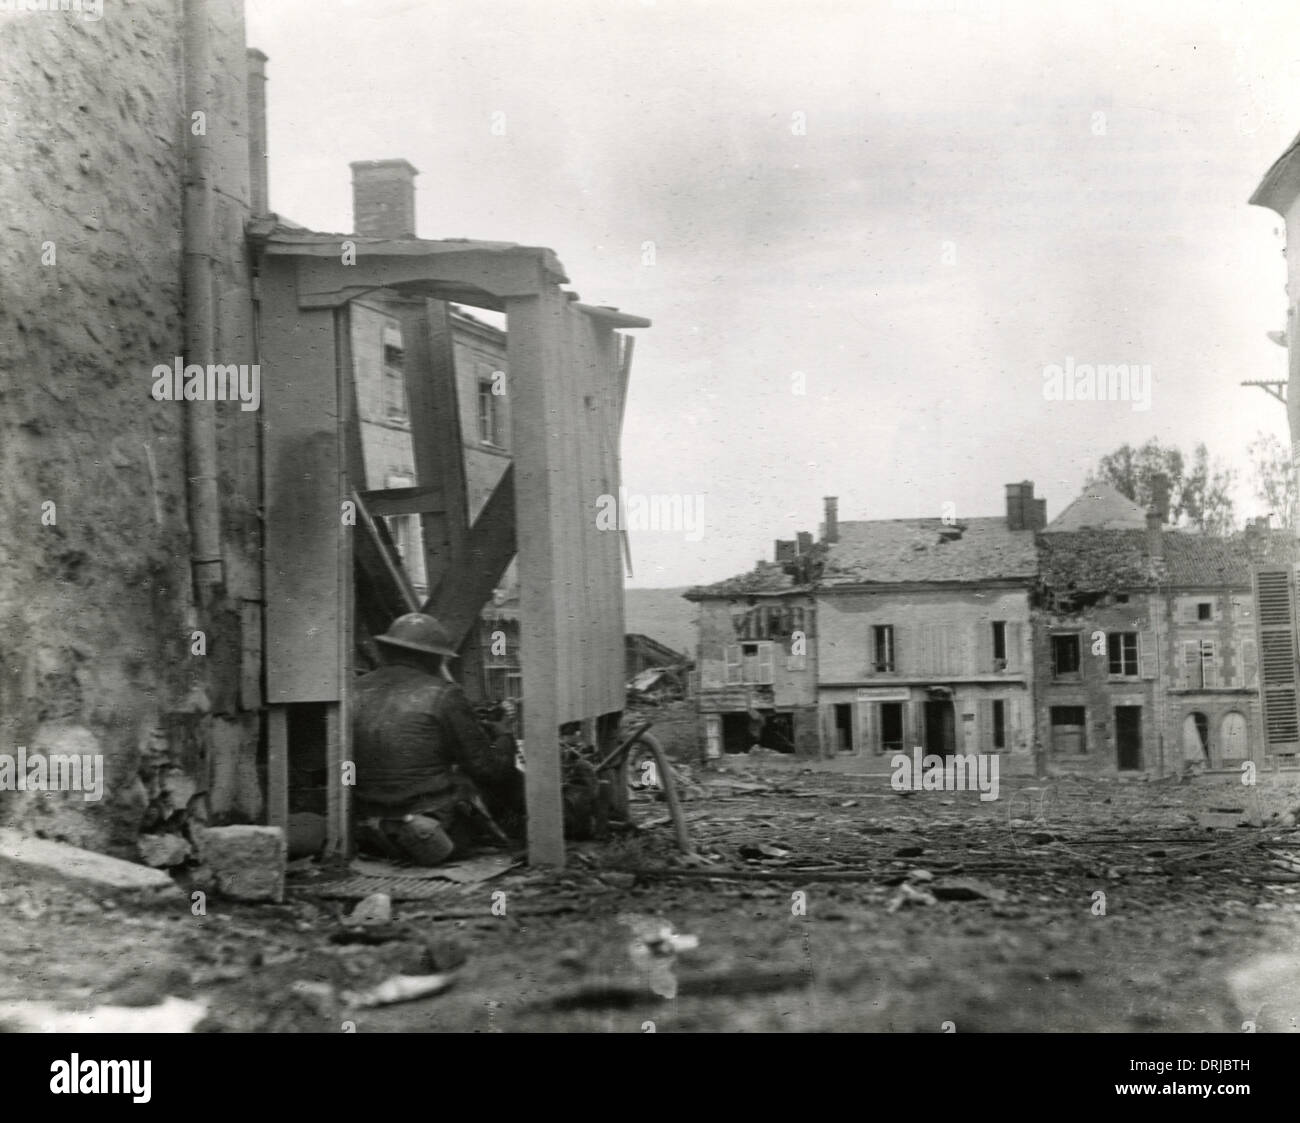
891, 727
844, 727
940, 728
1196, 739
1128, 737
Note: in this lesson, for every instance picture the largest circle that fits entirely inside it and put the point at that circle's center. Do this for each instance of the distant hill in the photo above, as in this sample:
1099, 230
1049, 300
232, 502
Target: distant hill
662, 615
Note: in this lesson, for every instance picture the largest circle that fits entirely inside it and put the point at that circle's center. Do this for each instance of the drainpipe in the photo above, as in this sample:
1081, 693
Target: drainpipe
200, 417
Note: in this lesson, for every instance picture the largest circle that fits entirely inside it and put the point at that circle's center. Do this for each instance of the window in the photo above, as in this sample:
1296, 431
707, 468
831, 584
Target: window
1069, 733
1121, 598
487, 413
999, 645
1200, 665
1205, 610
999, 724
394, 383
882, 639
1065, 654
749, 662
1122, 648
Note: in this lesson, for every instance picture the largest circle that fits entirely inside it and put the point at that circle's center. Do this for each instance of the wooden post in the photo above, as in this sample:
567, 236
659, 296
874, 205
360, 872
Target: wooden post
277, 767
535, 355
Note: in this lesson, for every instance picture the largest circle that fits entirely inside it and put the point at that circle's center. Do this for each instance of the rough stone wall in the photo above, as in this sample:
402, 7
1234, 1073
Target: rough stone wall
94, 597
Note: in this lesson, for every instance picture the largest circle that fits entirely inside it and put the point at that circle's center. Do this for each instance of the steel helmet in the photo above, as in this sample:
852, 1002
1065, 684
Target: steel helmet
417, 632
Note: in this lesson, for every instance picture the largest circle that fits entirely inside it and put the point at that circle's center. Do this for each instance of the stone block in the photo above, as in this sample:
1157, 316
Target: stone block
247, 863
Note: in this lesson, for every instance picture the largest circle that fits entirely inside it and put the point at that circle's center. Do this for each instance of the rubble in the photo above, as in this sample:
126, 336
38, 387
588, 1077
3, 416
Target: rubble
163, 851
74, 864
246, 863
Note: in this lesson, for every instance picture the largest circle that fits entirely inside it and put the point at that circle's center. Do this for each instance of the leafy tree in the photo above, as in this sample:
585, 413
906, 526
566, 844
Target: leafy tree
1274, 477
1199, 492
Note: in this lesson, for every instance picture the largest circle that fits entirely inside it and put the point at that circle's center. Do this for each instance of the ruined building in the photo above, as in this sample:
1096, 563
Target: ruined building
191, 578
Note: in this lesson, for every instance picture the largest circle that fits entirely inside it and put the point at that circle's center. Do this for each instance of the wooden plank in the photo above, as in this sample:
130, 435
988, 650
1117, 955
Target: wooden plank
303, 523
405, 501
338, 719
435, 432
277, 767
250, 655
461, 594
535, 356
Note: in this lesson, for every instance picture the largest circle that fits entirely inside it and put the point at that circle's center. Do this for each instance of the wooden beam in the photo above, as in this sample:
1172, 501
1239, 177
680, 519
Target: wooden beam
534, 342
338, 718
489, 549
277, 767
405, 501
435, 432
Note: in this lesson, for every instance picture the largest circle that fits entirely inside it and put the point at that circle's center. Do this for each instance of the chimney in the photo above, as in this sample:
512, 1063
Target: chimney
803, 542
1160, 496
1155, 535
256, 62
383, 198
832, 529
784, 550
1016, 516
1039, 519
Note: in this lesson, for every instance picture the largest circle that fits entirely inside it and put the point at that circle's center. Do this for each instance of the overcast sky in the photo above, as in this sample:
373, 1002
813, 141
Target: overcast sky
918, 204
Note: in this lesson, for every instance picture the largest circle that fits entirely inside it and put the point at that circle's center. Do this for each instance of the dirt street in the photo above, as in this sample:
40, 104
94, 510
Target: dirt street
821, 901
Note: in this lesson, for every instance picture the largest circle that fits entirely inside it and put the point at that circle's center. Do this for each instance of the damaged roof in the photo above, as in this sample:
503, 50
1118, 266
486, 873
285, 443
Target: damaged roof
1096, 560
1099, 507
766, 578
906, 550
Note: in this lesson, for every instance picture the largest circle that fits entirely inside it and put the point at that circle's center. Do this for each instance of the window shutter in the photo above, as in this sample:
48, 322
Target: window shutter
868, 723
1275, 628
731, 653
985, 720
918, 724
1210, 663
984, 647
1015, 640
1146, 655
1189, 675
765, 663
1249, 663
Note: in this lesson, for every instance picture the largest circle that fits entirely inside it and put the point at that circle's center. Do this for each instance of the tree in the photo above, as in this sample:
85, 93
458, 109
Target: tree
1199, 492
1274, 477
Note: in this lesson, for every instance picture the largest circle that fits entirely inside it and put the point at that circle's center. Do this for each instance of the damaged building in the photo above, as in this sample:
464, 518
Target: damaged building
190, 586
915, 632
1146, 639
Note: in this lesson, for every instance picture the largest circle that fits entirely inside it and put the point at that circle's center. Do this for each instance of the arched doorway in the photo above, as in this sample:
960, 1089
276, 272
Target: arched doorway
1196, 739
1234, 737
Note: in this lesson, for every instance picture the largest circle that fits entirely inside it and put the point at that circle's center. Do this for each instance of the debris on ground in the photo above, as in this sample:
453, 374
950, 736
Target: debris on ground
172, 1015
399, 988
375, 909
247, 863
71, 863
907, 896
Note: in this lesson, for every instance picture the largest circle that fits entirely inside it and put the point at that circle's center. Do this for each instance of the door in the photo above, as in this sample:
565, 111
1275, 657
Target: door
1234, 743
1128, 736
940, 728
844, 727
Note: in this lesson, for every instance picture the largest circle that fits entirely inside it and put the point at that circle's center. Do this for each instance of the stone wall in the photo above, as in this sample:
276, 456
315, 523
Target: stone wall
95, 612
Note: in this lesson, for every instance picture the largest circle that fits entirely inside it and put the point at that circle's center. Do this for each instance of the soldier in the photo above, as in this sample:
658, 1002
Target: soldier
427, 773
